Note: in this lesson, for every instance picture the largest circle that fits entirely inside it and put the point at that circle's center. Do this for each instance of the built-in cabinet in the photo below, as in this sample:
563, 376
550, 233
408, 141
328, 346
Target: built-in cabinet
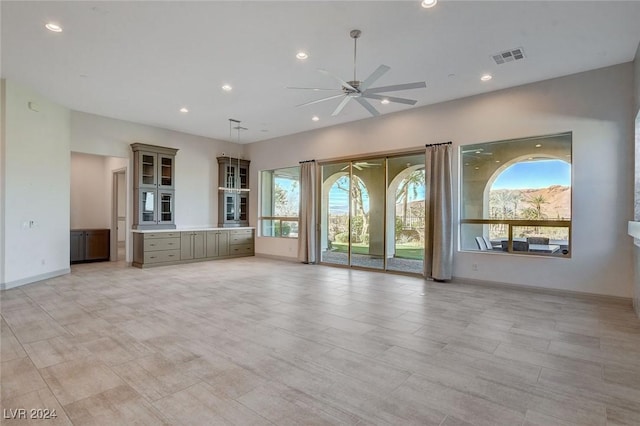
153, 187
89, 245
192, 245
217, 243
171, 247
233, 192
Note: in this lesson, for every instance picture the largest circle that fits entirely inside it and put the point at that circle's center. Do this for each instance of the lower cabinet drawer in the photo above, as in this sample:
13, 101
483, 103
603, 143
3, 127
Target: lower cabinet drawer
161, 244
240, 239
148, 235
238, 249
162, 256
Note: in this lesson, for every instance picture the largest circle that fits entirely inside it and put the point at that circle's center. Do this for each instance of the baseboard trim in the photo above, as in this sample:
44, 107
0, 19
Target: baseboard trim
627, 301
274, 257
33, 279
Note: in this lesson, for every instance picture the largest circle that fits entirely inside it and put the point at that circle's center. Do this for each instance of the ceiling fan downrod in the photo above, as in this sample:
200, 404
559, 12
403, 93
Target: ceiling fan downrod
355, 34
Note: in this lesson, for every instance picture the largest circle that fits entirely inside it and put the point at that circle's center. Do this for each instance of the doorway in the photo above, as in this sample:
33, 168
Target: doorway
118, 216
373, 212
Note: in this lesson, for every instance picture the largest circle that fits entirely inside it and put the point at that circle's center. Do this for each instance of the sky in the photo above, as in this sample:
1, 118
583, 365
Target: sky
522, 175
534, 174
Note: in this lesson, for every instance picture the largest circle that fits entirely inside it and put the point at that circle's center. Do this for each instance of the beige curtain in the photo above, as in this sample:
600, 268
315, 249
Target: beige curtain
438, 254
307, 218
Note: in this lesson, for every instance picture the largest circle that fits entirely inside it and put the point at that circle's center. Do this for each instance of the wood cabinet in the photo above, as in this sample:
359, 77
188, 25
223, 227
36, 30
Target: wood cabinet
172, 247
153, 186
217, 243
192, 245
241, 242
89, 245
233, 192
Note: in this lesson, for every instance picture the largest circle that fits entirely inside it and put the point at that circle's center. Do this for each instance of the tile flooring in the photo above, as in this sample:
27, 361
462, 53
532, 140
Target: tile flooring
256, 341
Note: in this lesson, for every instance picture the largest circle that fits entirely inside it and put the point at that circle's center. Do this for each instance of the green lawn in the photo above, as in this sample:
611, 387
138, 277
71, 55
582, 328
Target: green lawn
405, 251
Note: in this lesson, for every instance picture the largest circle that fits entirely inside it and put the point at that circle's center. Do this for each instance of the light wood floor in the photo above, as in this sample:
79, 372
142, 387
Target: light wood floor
257, 341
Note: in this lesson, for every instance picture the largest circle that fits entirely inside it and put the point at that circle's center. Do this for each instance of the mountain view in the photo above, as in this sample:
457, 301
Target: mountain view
553, 202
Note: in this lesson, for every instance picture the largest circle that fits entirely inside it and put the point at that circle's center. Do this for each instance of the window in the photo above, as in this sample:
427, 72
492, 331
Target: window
280, 202
516, 196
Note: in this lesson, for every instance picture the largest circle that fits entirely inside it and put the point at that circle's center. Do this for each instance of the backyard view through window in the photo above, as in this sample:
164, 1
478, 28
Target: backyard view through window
516, 196
373, 213
280, 202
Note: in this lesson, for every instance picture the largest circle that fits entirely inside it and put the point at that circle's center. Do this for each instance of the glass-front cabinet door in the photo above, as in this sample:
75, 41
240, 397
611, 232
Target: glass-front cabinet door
148, 206
165, 206
230, 207
243, 208
147, 167
166, 171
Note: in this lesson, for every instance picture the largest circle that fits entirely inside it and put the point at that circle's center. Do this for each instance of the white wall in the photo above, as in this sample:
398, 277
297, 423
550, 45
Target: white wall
36, 187
636, 80
596, 106
196, 164
89, 190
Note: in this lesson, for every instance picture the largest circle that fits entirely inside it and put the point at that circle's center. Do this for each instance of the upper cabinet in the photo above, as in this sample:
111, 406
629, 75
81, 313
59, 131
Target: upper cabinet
233, 192
153, 186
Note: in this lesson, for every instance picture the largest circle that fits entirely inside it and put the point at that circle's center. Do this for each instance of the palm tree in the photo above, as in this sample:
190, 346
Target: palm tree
411, 182
536, 205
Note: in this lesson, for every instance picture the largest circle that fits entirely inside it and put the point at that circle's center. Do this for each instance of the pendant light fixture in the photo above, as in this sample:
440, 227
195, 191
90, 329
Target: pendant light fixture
232, 179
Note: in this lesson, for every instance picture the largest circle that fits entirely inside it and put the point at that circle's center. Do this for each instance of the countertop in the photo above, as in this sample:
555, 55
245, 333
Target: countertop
146, 231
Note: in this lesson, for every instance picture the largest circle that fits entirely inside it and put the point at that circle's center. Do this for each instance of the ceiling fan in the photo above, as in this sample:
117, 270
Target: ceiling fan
360, 91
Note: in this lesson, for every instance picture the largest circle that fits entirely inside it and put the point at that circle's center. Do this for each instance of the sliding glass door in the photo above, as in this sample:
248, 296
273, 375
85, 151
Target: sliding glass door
334, 241
406, 214
367, 213
372, 213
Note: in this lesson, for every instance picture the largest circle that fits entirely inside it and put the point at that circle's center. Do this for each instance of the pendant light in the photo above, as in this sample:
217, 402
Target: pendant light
232, 180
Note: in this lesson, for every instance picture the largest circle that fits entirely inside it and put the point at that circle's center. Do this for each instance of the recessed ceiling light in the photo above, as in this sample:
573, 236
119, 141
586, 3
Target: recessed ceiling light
384, 101
315, 118
183, 109
497, 161
477, 168
478, 152
227, 88
538, 145
486, 77
428, 3
53, 27
466, 164
302, 55
530, 158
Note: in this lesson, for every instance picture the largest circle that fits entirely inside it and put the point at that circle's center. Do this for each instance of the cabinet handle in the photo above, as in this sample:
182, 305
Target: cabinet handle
152, 257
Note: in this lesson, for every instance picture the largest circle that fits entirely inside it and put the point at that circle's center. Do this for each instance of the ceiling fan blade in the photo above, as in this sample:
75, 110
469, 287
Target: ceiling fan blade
310, 88
338, 79
342, 104
390, 98
365, 103
397, 87
321, 100
379, 72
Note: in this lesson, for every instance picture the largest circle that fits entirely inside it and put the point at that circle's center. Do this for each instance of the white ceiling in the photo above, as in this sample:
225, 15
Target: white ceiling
143, 61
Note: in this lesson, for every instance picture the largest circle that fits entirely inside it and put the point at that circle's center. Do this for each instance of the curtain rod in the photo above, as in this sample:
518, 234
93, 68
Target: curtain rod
308, 161
436, 144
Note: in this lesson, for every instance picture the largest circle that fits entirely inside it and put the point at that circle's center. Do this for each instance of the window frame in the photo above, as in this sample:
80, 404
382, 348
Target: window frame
277, 221
511, 223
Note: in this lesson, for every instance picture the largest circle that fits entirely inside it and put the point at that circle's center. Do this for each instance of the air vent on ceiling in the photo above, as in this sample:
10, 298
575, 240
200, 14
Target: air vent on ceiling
508, 56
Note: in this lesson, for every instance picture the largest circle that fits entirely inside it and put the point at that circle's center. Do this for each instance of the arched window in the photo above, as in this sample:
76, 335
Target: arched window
516, 196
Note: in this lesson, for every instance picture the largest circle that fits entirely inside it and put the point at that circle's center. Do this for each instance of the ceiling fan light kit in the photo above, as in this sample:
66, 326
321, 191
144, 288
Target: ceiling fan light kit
361, 91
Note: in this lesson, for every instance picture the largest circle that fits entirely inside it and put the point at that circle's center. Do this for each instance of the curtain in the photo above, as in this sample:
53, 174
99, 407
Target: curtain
438, 254
307, 218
